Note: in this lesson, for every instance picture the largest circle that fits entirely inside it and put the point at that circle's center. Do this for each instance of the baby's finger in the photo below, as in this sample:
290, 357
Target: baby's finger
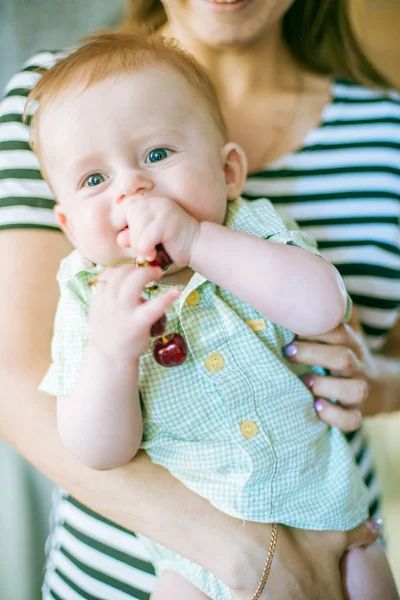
147, 240
104, 281
345, 419
155, 308
111, 278
134, 283
351, 393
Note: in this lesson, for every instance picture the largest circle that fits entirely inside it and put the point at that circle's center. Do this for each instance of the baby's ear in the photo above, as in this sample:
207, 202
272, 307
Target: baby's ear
235, 168
62, 221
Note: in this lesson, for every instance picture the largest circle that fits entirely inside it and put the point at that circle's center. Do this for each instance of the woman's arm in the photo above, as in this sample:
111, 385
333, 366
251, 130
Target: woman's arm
146, 493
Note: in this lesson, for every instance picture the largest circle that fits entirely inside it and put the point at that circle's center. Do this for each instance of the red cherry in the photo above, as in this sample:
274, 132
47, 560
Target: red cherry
158, 327
162, 259
170, 350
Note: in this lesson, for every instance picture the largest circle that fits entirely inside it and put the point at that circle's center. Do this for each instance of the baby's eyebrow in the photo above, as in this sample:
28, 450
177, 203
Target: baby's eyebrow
151, 132
77, 164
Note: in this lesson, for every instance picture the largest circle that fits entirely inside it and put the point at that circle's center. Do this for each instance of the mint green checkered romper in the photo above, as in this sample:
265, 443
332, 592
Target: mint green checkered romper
234, 423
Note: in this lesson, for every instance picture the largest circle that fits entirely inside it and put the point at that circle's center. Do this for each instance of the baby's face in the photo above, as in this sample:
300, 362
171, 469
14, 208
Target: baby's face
143, 134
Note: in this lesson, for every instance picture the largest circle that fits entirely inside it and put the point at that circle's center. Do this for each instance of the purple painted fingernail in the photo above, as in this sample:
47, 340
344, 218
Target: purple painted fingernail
308, 380
374, 525
319, 405
289, 351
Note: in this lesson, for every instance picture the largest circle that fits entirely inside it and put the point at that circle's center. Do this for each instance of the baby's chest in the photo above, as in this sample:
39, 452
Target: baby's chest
234, 363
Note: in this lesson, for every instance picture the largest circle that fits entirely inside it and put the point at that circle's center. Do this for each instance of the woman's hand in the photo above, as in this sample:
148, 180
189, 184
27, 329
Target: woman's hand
354, 381
305, 564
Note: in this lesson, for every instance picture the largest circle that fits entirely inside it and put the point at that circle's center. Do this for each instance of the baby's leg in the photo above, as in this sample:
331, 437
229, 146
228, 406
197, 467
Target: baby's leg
172, 586
366, 574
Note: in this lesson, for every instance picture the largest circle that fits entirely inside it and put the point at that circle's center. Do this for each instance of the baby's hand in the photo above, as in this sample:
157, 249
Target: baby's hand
119, 318
157, 220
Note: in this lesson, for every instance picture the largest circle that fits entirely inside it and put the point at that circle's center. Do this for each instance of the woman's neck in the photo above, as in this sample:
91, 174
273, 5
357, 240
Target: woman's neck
264, 65
286, 99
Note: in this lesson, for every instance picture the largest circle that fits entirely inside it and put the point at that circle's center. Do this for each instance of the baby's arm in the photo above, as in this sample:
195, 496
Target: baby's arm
95, 370
101, 422
287, 284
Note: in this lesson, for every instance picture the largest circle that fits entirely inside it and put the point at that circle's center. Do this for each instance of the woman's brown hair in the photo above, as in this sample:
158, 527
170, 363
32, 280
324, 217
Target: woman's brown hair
318, 33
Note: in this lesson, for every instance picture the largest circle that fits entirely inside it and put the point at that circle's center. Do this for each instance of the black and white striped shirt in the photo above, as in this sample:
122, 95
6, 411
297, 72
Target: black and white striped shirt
342, 187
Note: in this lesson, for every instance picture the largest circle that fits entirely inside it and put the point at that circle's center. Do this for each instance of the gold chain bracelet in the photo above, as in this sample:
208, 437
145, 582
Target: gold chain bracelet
268, 562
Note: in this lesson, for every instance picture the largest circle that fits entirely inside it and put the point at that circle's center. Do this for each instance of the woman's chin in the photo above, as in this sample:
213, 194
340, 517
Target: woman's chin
226, 23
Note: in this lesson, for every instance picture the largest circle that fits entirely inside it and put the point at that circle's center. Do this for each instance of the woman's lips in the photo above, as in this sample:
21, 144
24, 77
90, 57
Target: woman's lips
228, 5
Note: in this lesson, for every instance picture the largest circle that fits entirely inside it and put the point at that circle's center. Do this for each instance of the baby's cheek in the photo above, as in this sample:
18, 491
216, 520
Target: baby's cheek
209, 200
201, 186
183, 182
97, 235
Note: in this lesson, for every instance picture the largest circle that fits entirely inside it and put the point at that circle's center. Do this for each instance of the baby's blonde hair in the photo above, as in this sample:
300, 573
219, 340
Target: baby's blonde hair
112, 54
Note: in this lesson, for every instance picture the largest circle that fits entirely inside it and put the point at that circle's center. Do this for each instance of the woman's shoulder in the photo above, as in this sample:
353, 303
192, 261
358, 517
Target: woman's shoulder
19, 86
26, 200
24, 80
376, 101
363, 116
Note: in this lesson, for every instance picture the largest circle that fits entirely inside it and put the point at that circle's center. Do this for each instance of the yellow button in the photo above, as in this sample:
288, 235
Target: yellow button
215, 362
193, 299
257, 324
248, 429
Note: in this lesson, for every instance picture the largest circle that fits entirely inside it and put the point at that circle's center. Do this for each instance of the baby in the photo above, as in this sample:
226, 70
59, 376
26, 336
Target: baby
131, 139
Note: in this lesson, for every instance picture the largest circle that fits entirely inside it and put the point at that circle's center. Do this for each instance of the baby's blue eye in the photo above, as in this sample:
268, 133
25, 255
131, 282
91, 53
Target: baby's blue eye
94, 179
157, 155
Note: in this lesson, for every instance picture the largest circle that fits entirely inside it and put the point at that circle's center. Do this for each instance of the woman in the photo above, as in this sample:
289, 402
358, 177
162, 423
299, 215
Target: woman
252, 64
